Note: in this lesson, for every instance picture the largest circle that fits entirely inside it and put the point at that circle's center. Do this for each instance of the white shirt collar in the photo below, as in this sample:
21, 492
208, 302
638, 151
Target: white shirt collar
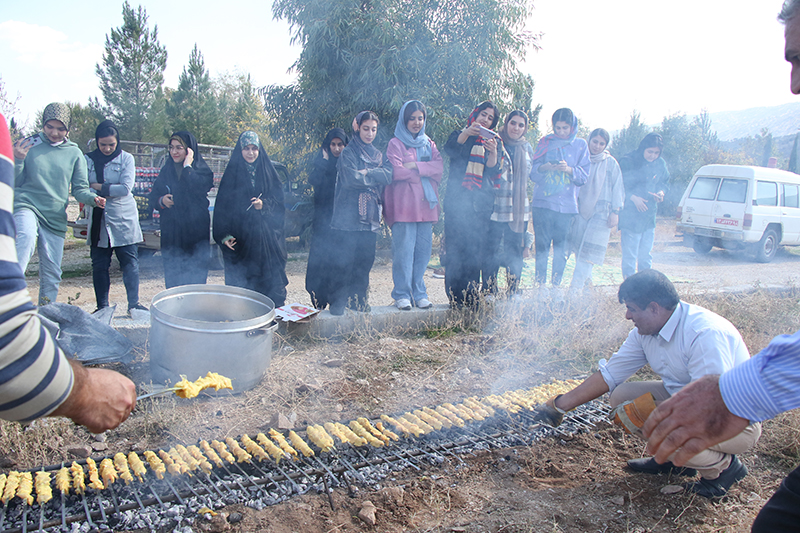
668, 330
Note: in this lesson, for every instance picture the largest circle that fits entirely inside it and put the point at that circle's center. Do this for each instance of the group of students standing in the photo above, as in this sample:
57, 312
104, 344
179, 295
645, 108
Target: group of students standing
580, 193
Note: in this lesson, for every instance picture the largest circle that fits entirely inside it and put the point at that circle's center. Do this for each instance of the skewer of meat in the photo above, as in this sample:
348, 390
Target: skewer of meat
63, 480
284, 445
78, 478
121, 464
276, 453
25, 487
156, 464
44, 493
241, 455
195, 452
223, 451
300, 444
137, 465
107, 471
209, 452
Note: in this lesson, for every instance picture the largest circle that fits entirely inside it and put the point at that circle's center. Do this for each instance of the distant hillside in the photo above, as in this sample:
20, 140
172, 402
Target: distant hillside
781, 120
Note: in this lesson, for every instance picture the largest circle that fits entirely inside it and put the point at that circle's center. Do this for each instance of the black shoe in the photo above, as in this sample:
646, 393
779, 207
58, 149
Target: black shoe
648, 465
138, 307
99, 309
717, 488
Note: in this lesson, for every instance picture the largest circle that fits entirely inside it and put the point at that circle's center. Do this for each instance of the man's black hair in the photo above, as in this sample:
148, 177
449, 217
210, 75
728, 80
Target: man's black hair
649, 286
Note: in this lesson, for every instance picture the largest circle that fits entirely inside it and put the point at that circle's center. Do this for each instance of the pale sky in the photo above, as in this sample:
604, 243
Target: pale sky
602, 59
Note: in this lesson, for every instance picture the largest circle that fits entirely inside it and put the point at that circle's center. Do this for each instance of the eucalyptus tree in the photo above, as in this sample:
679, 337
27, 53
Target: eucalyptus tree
376, 54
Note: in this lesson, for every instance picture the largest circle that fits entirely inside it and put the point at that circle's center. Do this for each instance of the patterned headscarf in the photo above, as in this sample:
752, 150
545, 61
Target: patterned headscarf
56, 111
247, 138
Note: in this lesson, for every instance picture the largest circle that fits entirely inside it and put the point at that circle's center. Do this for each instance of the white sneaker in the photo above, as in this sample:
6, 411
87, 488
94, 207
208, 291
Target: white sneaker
424, 303
403, 304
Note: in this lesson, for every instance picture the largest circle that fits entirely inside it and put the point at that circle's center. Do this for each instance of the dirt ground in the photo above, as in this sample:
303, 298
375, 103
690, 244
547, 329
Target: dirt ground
574, 485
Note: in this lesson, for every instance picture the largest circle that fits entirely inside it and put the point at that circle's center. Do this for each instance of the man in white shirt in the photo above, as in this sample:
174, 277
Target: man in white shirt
681, 342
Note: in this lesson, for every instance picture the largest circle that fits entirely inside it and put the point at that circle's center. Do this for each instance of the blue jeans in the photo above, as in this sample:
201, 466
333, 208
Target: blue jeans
411, 252
128, 257
636, 247
32, 236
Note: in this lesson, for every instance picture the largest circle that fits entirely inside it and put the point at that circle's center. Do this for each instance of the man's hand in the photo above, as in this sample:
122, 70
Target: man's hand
100, 399
692, 420
548, 413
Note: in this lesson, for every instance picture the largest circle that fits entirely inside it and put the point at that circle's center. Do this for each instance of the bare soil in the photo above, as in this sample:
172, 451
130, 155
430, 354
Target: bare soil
574, 485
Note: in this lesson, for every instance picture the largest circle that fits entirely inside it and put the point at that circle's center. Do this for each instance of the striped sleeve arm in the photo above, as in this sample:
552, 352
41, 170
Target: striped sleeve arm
767, 384
35, 376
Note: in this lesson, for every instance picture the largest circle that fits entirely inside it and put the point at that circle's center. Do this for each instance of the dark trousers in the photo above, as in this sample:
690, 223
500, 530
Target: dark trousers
469, 256
128, 257
186, 268
352, 263
550, 227
507, 247
782, 511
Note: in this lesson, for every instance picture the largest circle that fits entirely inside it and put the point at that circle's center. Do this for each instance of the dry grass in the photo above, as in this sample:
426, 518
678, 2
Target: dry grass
496, 349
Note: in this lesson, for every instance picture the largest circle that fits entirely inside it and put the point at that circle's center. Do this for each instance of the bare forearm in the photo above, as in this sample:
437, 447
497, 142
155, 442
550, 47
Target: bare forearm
594, 387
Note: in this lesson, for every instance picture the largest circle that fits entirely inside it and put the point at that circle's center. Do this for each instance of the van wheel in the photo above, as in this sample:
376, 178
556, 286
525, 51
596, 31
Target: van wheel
767, 247
701, 246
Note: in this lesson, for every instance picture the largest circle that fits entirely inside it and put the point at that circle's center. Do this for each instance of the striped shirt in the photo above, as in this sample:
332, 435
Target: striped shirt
35, 376
767, 384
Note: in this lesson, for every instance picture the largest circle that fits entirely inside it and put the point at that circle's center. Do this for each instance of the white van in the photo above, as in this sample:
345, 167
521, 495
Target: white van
740, 207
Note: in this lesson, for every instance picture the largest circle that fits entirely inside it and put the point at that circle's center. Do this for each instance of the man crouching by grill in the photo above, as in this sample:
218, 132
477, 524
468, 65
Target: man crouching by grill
681, 342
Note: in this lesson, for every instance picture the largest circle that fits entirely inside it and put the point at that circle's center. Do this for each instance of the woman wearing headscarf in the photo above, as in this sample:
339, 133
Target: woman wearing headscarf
646, 178
560, 166
180, 193
47, 167
362, 174
511, 206
599, 204
411, 204
319, 282
115, 228
248, 221
475, 172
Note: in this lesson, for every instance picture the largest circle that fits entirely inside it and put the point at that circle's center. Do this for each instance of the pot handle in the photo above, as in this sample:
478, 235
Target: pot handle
262, 330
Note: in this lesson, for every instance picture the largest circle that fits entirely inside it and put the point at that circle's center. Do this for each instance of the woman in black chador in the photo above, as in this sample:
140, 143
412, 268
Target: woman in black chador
180, 193
319, 281
248, 221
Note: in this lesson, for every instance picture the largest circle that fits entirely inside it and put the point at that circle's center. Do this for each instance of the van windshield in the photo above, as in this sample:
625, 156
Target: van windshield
733, 191
704, 189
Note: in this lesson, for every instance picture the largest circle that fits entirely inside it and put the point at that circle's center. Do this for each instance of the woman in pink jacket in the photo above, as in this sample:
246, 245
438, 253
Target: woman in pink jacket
411, 204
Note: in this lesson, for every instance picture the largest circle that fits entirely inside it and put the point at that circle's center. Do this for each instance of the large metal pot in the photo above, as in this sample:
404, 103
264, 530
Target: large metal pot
195, 329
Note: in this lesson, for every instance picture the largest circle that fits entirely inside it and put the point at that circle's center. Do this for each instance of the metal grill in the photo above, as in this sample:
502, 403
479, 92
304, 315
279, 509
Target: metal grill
153, 503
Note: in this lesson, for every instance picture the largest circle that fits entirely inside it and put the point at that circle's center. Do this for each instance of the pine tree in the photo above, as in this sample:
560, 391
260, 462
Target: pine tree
194, 106
132, 73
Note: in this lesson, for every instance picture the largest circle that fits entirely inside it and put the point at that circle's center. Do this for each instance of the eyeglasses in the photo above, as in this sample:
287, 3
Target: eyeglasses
176, 148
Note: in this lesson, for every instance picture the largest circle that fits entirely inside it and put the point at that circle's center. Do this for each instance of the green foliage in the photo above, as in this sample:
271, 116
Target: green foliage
194, 106
377, 54
684, 151
8, 108
242, 108
84, 121
628, 138
132, 74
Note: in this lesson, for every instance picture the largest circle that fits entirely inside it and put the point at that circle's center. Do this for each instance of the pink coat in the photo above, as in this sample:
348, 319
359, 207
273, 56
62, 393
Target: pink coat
403, 199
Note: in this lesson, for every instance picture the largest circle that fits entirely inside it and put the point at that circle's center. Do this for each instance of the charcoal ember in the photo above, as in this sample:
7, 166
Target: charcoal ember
235, 517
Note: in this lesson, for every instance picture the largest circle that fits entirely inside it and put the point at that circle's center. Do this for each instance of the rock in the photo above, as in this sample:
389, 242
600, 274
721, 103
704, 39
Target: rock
79, 451
7, 462
217, 524
363, 382
100, 437
458, 529
99, 446
394, 494
235, 517
306, 387
618, 500
283, 422
464, 371
333, 363
671, 489
367, 513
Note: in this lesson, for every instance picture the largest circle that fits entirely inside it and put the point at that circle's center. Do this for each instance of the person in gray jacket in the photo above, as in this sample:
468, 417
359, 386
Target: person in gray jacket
115, 228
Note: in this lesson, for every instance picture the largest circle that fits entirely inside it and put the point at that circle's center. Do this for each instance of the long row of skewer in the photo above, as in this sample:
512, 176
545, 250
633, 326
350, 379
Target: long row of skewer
180, 460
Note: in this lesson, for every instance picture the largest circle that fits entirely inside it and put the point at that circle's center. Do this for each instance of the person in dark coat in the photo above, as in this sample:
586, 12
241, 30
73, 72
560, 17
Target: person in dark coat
475, 173
248, 221
362, 173
646, 179
319, 282
180, 193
